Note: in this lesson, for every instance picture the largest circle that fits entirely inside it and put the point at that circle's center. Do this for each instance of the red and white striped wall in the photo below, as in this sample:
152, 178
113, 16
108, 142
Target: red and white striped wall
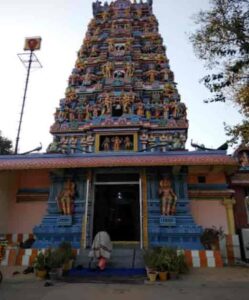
17, 238
203, 258
23, 257
195, 259
229, 252
230, 249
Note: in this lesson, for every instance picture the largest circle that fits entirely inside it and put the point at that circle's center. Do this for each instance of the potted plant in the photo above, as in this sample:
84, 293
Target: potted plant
210, 238
162, 263
60, 260
40, 265
177, 264
173, 267
150, 257
67, 256
55, 264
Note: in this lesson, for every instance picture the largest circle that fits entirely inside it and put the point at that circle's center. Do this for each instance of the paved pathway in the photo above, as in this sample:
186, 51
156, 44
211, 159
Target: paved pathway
202, 284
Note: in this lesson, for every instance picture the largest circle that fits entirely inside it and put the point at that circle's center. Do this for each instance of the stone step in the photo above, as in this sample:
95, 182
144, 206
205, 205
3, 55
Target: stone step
120, 258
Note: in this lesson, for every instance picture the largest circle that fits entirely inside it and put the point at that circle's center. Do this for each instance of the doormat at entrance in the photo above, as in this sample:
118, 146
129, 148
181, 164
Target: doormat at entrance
108, 272
126, 276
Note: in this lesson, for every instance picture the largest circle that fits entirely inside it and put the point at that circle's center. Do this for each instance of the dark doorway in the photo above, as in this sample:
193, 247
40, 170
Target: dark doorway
116, 210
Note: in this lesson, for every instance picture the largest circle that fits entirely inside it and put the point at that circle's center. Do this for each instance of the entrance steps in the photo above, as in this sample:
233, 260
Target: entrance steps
121, 257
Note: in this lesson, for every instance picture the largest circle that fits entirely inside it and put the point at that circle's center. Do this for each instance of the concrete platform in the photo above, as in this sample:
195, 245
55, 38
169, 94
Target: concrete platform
204, 284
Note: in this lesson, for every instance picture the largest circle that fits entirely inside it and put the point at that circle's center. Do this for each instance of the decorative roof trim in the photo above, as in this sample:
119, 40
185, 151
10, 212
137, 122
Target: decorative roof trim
55, 161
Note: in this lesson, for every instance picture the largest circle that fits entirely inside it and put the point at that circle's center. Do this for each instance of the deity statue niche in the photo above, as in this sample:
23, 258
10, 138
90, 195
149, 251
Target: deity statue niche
116, 143
66, 197
168, 197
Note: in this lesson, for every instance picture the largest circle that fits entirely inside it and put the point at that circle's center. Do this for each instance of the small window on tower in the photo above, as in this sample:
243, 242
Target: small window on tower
201, 179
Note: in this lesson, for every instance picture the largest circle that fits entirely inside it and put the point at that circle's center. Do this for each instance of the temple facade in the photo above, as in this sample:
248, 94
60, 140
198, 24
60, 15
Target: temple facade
118, 160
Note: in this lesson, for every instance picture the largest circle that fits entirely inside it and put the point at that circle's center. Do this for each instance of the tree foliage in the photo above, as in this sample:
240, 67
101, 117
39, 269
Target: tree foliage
5, 145
222, 41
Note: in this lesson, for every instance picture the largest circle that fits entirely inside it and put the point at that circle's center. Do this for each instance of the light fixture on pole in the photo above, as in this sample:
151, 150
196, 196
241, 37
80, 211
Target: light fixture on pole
30, 61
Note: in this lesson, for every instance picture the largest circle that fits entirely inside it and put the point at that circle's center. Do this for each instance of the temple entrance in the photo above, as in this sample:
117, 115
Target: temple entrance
117, 211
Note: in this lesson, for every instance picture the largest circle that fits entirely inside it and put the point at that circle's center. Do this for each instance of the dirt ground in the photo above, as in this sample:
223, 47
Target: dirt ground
221, 284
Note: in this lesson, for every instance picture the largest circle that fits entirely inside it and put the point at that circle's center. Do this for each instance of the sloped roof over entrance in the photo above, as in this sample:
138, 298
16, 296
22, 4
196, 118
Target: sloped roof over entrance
60, 161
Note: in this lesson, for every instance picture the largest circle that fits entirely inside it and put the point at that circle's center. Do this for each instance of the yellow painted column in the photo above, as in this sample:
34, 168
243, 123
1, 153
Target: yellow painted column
229, 203
145, 209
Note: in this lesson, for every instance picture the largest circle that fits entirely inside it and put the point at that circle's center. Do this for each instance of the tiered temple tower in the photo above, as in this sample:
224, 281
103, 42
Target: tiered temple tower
121, 80
121, 102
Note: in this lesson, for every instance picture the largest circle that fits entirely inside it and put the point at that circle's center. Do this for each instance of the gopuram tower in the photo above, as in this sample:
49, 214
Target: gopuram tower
120, 133
121, 82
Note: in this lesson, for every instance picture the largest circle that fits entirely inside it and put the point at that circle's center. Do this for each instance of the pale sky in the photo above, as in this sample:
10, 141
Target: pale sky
62, 24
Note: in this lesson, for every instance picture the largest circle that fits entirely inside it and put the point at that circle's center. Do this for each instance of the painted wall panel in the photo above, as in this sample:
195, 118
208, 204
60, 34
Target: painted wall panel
208, 213
7, 181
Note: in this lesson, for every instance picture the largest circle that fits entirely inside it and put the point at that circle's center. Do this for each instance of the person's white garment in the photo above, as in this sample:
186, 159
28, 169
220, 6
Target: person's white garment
101, 246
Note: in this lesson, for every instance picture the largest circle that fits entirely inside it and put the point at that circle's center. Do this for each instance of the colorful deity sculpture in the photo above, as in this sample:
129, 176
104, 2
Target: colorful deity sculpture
168, 197
117, 141
127, 143
106, 145
66, 197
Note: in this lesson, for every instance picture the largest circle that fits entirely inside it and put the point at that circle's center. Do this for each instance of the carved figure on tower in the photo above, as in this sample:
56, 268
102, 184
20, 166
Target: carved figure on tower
106, 144
64, 144
117, 141
107, 69
129, 70
71, 94
127, 100
107, 104
127, 143
144, 140
151, 75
